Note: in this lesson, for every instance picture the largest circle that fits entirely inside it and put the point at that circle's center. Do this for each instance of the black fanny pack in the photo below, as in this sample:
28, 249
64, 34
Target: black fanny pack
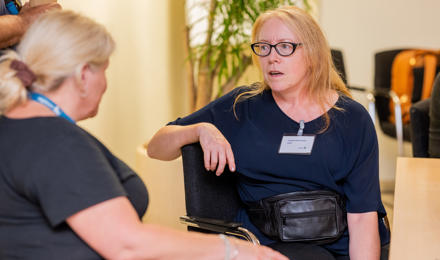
308, 216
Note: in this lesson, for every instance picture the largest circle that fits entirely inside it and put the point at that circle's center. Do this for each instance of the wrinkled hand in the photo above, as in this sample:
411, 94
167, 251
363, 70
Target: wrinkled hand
216, 149
29, 14
248, 251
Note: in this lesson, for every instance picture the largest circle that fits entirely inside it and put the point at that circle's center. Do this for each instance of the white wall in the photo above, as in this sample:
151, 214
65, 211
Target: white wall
361, 28
144, 74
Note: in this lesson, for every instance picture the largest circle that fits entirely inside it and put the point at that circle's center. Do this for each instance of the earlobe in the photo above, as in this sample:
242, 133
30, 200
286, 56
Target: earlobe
84, 72
82, 84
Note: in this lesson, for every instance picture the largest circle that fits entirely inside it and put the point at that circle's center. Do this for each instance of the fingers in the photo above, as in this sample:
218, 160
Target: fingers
207, 159
40, 9
216, 149
25, 6
210, 159
216, 159
230, 159
248, 251
30, 14
274, 255
221, 163
51, 6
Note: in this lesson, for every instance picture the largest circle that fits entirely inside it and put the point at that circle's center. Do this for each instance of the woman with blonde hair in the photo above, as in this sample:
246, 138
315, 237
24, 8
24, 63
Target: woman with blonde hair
296, 138
63, 194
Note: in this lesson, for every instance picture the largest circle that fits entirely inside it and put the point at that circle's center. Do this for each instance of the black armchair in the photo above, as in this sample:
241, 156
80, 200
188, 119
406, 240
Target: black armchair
382, 93
211, 201
338, 61
425, 124
434, 123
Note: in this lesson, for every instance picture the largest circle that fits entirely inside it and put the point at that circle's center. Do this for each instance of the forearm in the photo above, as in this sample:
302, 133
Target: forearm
12, 27
166, 143
364, 236
156, 242
113, 229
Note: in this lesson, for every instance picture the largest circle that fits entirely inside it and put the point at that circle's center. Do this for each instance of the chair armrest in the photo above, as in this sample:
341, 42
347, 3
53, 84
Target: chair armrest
357, 88
220, 226
388, 93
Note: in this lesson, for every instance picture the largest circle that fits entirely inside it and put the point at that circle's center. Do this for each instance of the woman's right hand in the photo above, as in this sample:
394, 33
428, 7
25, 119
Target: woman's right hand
248, 251
30, 14
216, 149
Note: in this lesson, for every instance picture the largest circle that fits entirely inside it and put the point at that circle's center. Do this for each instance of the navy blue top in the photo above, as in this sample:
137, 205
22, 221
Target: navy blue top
344, 158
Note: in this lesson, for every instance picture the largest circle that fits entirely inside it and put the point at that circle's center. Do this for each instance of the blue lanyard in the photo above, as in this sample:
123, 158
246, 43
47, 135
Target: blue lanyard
49, 104
13, 6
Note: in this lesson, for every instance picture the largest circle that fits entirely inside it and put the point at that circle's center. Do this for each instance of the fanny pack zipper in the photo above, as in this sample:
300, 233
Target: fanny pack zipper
308, 214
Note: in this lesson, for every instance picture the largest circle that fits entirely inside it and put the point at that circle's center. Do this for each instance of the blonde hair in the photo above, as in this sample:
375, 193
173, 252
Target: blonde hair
323, 76
56, 46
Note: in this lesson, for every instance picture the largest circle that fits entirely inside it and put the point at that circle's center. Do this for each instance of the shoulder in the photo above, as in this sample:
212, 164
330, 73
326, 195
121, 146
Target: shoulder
352, 119
219, 110
352, 110
52, 136
60, 131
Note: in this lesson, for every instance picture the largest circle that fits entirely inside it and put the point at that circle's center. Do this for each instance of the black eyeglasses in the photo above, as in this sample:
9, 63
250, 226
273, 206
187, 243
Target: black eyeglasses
263, 49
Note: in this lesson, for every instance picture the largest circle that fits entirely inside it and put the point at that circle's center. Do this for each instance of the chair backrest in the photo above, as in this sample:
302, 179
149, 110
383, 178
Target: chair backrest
434, 122
208, 195
383, 62
419, 114
425, 124
338, 60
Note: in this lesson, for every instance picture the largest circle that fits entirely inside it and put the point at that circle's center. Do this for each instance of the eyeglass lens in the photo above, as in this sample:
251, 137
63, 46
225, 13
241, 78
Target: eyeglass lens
283, 48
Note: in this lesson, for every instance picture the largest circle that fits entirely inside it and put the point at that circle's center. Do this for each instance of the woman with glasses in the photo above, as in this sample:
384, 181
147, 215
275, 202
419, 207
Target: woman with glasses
297, 130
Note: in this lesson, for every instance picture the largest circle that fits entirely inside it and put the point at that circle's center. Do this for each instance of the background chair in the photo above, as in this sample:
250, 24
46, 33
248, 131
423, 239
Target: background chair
419, 114
380, 96
434, 123
425, 124
338, 61
382, 92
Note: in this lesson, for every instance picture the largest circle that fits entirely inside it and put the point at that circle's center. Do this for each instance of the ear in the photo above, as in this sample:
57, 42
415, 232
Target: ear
84, 80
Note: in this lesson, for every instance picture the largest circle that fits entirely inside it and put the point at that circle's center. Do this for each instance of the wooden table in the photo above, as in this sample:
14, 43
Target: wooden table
416, 227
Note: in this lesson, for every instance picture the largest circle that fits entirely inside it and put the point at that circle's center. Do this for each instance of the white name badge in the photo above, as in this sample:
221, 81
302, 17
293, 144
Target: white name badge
297, 144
